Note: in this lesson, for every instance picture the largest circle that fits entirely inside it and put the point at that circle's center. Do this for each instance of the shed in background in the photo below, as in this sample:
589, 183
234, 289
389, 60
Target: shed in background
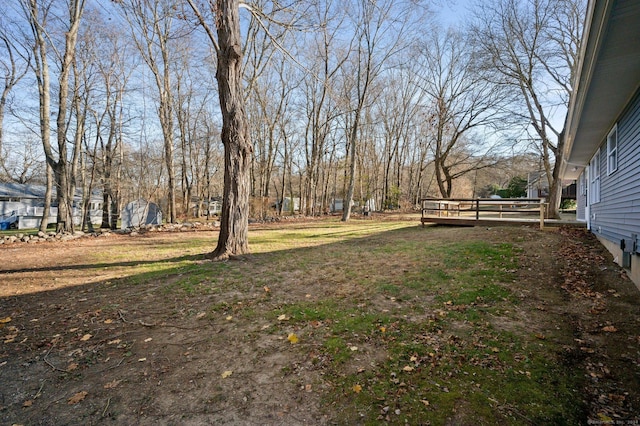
140, 212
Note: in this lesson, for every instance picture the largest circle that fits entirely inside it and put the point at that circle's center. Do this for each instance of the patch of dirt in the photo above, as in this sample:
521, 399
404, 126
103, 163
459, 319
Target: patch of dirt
77, 347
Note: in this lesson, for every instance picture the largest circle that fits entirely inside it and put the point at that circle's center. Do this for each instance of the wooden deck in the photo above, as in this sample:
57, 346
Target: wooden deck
490, 212
468, 221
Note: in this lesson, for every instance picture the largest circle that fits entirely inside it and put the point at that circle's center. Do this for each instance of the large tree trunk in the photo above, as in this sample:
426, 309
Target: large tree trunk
555, 183
234, 223
47, 200
65, 207
64, 184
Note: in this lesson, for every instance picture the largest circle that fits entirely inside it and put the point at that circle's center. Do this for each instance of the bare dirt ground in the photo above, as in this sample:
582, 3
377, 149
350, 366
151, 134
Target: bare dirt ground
77, 346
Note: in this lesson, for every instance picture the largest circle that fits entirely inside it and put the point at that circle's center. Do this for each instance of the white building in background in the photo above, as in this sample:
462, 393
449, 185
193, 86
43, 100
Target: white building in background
22, 206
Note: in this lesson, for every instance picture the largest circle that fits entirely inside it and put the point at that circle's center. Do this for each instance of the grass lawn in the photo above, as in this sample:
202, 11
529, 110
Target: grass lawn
324, 323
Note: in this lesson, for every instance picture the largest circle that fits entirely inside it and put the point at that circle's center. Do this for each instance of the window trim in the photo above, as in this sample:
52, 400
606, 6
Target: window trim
612, 150
594, 177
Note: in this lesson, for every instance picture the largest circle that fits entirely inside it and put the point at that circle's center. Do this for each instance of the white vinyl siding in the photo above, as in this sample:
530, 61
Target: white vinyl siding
612, 150
594, 171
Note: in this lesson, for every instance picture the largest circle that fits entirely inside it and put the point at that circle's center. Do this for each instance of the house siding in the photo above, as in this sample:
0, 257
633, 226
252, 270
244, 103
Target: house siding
617, 215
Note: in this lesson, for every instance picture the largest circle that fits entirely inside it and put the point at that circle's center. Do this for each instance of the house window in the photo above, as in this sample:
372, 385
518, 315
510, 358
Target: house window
612, 150
594, 171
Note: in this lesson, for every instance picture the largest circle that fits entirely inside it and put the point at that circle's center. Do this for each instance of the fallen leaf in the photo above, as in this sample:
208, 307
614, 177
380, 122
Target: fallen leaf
353, 348
229, 318
292, 338
307, 388
266, 289
112, 384
425, 402
383, 329
357, 388
73, 330
108, 321
114, 342
283, 317
413, 358
28, 403
142, 359
5, 320
227, 374
148, 339
86, 337
201, 315
77, 397
495, 349
407, 368
72, 366
605, 419
609, 329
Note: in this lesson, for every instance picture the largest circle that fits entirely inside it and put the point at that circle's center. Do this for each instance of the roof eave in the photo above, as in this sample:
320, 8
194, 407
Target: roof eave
606, 79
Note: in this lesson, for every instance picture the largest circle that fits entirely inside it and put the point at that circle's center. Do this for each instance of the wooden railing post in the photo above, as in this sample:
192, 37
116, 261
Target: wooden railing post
477, 209
542, 207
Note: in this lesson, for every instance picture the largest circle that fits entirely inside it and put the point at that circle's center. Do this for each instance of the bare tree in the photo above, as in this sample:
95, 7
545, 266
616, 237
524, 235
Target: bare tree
326, 55
84, 79
234, 224
462, 100
380, 28
533, 47
14, 62
154, 26
25, 164
268, 117
37, 13
400, 103
115, 68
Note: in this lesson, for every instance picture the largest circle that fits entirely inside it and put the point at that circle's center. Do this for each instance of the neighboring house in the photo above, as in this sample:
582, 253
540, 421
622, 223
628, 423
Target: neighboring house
22, 206
337, 205
140, 212
290, 204
602, 144
538, 187
199, 207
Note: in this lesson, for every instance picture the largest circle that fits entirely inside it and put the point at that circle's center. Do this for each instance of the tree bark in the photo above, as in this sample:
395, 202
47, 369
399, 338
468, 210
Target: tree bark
41, 68
47, 200
234, 223
59, 165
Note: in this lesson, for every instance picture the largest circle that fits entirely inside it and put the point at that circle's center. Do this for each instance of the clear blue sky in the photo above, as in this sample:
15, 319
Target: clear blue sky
453, 11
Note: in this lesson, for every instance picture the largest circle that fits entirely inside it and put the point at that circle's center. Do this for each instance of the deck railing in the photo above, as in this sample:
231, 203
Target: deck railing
475, 209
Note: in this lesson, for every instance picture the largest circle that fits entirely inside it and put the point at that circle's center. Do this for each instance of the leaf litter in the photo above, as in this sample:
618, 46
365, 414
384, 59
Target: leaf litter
180, 354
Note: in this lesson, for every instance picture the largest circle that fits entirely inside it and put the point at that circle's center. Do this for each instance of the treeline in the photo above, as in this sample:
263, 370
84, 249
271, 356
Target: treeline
362, 100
